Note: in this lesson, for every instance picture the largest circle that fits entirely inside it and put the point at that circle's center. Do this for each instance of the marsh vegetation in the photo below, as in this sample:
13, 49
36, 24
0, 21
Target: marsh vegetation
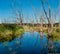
10, 31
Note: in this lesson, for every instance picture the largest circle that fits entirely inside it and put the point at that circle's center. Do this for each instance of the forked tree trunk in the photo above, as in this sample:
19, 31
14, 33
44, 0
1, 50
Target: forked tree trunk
50, 40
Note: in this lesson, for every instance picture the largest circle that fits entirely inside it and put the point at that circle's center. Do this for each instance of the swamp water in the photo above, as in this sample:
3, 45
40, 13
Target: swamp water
29, 43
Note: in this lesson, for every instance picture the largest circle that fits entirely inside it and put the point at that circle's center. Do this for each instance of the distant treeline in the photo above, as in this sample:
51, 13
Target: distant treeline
30, 24
56, 24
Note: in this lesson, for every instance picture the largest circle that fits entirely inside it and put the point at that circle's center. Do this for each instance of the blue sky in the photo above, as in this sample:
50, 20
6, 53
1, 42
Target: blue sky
7, 9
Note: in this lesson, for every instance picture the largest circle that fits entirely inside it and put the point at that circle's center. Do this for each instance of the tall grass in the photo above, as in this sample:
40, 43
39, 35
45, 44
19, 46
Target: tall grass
9, 32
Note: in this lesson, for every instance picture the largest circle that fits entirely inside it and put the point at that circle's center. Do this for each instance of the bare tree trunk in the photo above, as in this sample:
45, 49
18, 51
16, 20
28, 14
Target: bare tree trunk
17, 12
59, 26
35, 14
50, 29
41, 27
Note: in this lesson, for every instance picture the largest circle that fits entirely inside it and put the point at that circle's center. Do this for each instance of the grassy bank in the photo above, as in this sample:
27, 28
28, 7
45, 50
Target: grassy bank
55, 33
10, 31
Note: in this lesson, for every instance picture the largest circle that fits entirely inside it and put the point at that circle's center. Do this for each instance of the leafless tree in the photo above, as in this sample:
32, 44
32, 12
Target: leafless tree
56, 14
48, 18
18, 14
17, 11
35, 13
50, 25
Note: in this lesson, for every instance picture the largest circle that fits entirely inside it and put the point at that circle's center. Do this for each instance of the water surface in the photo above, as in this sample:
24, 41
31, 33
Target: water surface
29, 43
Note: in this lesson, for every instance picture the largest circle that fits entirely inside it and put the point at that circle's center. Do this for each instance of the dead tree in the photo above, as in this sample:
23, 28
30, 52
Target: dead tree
35, 13
48, 18
49, 25
18, 15
56, 14
17, 12
41, 29
41, 26
59, 25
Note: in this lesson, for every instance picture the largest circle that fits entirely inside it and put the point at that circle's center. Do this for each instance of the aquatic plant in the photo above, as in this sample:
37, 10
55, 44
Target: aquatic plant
5, 44
13, 52
10, 49
17, 42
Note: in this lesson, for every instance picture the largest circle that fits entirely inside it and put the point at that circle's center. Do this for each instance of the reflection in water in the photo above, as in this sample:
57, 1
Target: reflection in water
10, 49
41, 35
29, 43
50, 45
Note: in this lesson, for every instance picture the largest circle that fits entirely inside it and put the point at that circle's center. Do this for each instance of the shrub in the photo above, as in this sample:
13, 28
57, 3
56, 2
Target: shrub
9, 32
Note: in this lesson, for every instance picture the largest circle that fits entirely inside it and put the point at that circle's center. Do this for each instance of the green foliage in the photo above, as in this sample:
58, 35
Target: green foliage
18, 31
56, 36
9, 32
55, 33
